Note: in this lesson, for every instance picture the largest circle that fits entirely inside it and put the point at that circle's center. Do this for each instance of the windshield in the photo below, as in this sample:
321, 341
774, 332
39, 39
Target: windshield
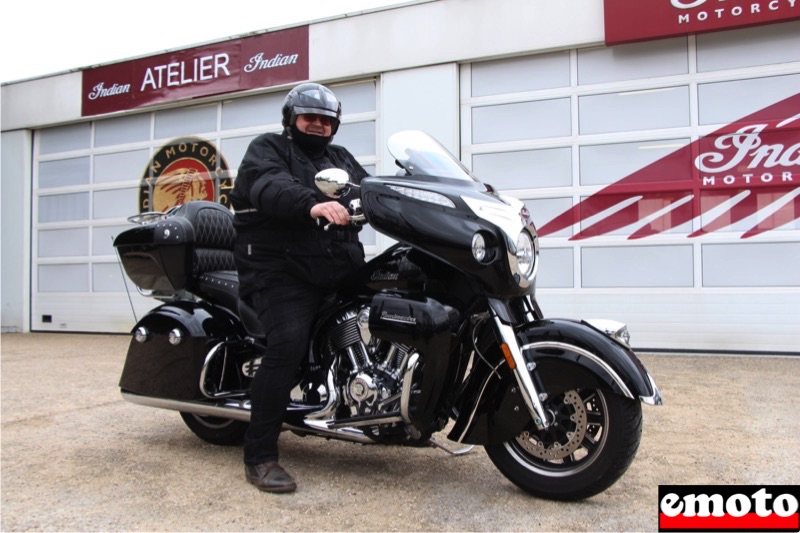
419, 154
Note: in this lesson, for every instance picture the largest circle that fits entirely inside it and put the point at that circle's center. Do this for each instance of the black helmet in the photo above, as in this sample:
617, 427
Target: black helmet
311, 98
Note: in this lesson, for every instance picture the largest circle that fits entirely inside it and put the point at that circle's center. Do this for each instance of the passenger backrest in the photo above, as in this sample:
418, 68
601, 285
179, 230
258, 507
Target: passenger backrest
214, 236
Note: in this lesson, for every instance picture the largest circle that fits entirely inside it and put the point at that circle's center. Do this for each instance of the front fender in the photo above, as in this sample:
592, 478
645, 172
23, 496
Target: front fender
569, 354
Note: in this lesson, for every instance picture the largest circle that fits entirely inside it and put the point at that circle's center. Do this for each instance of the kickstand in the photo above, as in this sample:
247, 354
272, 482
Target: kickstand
462, 451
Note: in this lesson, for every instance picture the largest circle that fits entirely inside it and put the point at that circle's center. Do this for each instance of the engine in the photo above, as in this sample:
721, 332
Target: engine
371, 370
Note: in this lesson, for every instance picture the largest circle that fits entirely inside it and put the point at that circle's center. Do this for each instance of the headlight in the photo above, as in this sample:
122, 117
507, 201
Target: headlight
479, 248
526, 255
616, 330
425, 196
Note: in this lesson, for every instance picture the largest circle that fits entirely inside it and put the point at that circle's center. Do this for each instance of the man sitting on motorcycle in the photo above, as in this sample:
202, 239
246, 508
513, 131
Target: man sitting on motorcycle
286, 261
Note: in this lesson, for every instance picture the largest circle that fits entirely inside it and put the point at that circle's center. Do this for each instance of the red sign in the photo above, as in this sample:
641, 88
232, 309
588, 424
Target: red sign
263, 60
639, 20
747, 172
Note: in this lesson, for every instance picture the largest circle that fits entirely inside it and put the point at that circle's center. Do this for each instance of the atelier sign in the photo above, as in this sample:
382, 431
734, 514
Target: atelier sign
263, 60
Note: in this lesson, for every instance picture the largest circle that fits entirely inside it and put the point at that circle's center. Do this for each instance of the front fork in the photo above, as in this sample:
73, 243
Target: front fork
522, 373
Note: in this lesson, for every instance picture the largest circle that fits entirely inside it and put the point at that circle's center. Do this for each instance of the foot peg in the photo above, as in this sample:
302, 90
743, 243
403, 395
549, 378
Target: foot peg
463, 451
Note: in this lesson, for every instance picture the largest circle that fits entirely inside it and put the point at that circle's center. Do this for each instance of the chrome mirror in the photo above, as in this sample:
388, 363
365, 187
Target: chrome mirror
333, 182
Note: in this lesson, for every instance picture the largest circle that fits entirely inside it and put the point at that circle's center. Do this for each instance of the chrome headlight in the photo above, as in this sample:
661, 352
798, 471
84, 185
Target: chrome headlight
523, 258
479, 248
526, 256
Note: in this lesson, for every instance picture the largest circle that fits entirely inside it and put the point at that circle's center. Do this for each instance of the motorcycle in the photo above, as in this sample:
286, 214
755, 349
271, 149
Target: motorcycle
440, 332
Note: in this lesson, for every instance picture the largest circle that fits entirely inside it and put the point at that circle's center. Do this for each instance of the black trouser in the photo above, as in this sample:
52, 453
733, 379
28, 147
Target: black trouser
286, 311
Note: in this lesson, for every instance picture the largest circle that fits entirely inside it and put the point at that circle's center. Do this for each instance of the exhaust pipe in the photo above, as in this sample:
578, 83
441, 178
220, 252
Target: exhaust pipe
241, 411
232, 410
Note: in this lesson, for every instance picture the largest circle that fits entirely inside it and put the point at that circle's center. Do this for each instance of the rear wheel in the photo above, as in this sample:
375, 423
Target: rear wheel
591, 443
216, 430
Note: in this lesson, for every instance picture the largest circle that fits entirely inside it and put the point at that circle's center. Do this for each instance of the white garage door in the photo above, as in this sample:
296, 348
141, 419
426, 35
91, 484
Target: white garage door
602, 145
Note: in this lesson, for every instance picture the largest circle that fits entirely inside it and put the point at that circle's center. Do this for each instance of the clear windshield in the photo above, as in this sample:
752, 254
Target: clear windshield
419, 154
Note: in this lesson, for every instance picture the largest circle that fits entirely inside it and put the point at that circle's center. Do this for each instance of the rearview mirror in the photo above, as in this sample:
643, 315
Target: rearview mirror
333, 182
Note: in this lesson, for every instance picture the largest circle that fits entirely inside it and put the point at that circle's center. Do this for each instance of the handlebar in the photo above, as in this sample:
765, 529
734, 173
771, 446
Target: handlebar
357, 216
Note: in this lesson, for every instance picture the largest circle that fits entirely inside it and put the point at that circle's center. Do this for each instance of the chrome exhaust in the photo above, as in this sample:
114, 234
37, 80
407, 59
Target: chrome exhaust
232, 409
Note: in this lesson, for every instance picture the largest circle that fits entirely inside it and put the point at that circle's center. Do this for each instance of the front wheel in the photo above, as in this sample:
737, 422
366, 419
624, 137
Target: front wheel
216, 430
591, 443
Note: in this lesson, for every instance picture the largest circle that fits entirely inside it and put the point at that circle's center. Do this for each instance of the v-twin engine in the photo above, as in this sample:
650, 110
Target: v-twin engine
374, 378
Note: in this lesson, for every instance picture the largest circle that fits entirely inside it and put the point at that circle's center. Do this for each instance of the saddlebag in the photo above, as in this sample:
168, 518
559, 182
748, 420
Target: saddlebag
169, 348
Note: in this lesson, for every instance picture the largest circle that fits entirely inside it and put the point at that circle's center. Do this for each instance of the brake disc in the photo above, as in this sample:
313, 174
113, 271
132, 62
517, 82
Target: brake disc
564, 437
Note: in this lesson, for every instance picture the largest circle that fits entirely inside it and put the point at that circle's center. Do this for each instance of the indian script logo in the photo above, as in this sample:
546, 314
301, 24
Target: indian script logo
746, 173
185, 169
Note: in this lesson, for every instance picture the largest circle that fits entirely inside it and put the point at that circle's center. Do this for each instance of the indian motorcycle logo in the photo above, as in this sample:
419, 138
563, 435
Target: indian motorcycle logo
188, 168
745, 174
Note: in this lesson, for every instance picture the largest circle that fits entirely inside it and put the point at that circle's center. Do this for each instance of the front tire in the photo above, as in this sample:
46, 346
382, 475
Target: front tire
594, 438
216, 430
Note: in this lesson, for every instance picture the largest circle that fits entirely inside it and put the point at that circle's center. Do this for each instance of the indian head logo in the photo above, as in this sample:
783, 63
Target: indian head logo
185, 169
746, 173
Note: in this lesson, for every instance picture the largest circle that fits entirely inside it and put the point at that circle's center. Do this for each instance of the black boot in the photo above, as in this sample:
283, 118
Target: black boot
270, 477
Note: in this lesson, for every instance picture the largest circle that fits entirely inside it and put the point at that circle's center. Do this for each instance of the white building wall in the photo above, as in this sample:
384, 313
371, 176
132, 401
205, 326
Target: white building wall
449, 30
42, 102
15, 211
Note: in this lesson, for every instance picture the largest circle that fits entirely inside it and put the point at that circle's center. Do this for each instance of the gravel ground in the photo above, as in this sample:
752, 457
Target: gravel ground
76, 457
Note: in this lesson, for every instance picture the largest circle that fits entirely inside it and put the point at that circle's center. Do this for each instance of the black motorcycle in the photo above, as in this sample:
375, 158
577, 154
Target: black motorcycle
439, 332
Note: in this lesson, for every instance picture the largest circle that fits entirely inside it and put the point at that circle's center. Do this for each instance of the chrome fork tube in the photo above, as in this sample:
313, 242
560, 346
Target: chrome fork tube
529, 393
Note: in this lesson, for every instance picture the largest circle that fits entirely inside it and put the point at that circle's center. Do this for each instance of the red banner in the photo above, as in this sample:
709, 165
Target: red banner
747, 172
639, 20
263, 60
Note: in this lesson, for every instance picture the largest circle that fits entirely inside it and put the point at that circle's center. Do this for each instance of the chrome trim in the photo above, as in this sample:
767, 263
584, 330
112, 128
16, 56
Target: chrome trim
175, 337
435, 444
405, 396
232, 410
209, 357
390, 418
612, 328
328, 411
656, 398
477, 402
529, 393
589, 355
321, 427
142, 334
241, 411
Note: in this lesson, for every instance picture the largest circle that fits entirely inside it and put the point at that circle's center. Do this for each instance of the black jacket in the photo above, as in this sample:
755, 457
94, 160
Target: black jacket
272, 196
